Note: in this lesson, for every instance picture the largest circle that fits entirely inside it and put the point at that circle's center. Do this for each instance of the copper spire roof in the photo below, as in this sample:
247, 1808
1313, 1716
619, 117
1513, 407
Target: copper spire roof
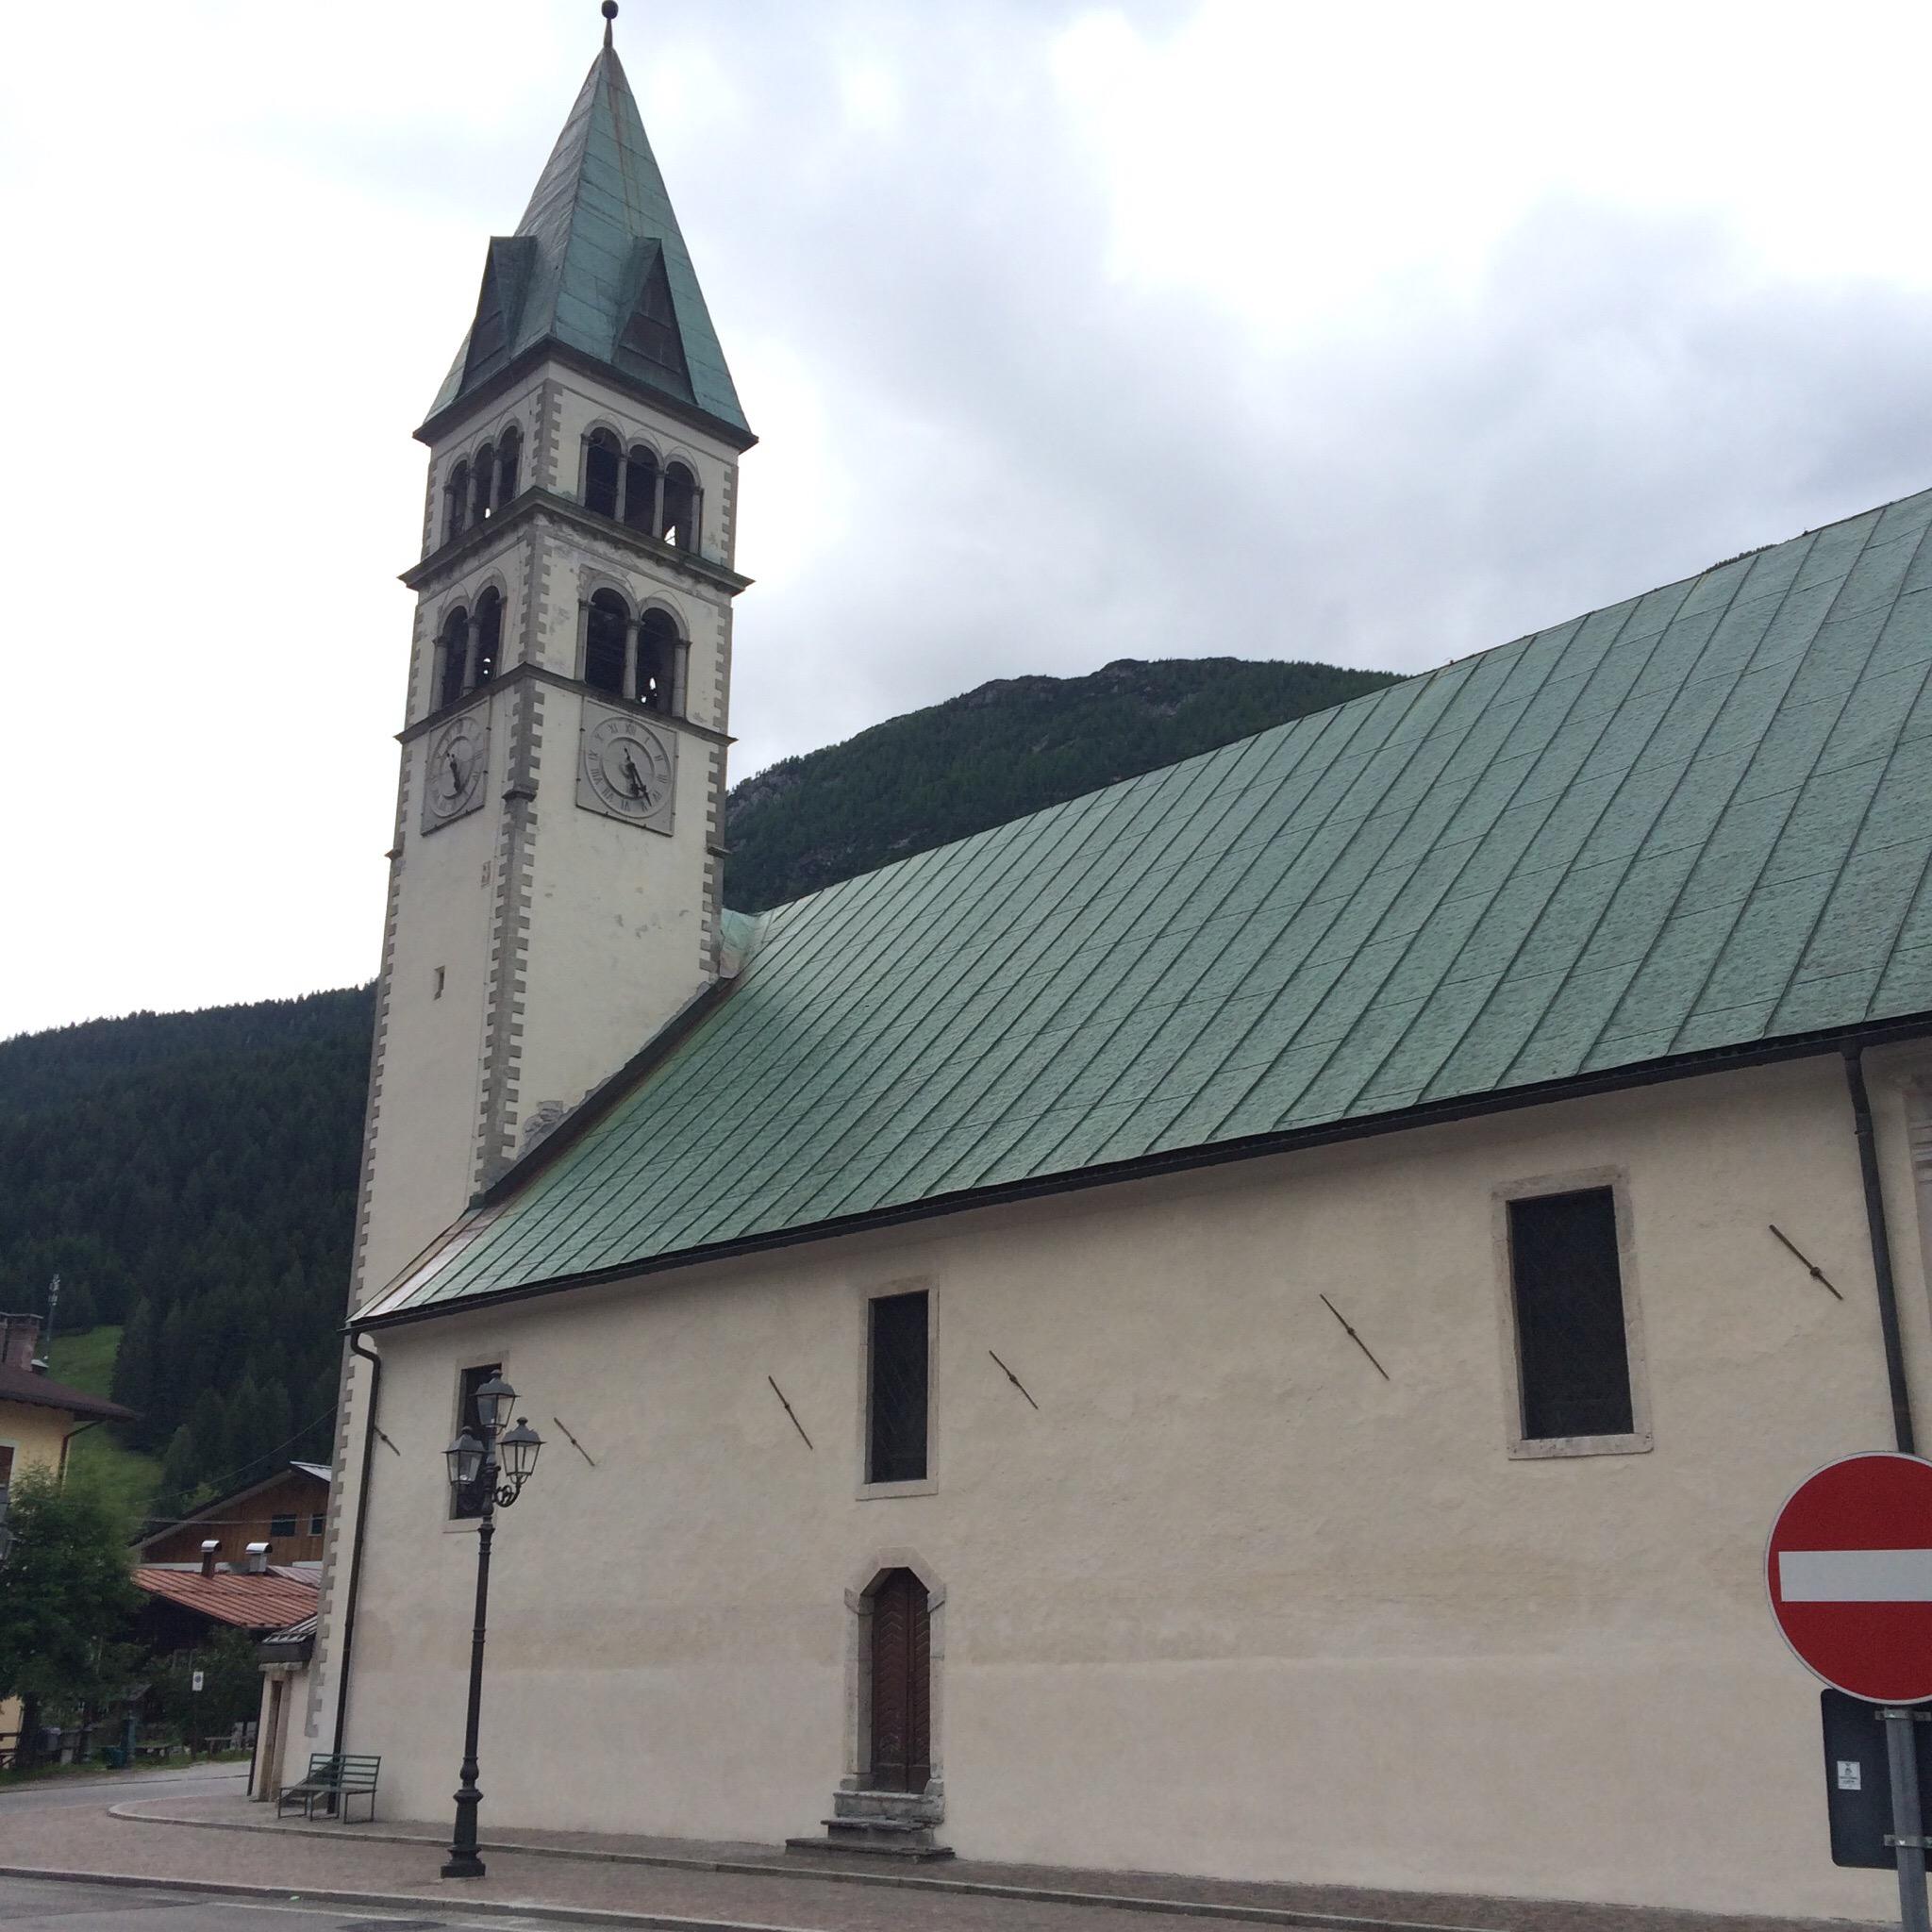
598, 267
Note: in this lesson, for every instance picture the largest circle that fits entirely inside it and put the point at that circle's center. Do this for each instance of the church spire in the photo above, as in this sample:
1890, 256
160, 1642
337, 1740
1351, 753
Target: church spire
598, 269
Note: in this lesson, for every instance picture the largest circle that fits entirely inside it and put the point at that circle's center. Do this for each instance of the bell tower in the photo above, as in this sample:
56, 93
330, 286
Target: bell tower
554, 876
553, 892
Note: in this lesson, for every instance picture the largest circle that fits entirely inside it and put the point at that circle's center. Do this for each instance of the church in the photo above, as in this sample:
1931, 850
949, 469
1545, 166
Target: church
1253, 1323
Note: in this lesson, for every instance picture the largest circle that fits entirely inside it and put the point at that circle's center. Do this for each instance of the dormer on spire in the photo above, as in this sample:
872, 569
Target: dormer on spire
598, 272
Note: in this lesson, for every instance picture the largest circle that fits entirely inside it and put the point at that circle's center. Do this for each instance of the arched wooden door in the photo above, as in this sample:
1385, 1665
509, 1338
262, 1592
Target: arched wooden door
901, 1684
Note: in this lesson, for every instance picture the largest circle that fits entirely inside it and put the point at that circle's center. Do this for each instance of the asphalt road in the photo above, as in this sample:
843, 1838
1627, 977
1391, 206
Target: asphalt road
57, 1794
52, 1905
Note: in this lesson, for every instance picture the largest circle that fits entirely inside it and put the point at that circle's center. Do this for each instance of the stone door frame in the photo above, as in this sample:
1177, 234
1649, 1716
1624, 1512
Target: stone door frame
858, 1605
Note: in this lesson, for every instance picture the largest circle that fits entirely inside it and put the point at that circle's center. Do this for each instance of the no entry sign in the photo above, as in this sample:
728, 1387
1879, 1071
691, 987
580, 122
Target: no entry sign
1849, 1567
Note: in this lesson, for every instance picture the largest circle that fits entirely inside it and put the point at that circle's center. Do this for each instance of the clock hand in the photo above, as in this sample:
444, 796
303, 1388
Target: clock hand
455, 770
630, 772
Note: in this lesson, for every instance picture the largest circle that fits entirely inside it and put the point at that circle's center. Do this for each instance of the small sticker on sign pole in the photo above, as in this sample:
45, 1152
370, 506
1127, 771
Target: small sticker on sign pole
195, 1681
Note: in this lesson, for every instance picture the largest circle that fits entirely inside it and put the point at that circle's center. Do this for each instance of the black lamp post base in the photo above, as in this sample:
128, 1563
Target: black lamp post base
463, 1861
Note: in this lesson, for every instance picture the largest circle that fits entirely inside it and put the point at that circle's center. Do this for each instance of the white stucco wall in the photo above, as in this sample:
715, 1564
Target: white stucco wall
428, 1113
618, 929
1227, 1602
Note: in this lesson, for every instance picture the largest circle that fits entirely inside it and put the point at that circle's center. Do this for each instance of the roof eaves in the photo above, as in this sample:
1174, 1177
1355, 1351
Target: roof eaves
453, 402
1185, 1160
33, 1391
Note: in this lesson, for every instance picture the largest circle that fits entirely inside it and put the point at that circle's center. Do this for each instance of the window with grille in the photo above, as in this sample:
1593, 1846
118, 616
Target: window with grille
897, 1386
281, 1526
470, 1502
1571, 1343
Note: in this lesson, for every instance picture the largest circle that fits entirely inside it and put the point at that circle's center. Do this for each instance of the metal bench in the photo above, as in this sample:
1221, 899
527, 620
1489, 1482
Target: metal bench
337, 1777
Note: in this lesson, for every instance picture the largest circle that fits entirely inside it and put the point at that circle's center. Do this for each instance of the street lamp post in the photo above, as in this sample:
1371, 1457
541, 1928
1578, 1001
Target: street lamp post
500, 1463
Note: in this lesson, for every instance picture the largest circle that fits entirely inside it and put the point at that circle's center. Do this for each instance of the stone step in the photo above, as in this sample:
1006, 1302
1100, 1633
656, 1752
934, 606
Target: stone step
881, 1845
914, 1805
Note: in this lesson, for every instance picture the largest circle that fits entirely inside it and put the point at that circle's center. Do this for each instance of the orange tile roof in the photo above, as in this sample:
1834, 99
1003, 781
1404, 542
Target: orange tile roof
270, 1600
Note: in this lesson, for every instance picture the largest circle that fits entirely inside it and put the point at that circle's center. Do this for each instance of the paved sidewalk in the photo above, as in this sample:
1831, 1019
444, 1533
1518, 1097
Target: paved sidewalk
157, 1836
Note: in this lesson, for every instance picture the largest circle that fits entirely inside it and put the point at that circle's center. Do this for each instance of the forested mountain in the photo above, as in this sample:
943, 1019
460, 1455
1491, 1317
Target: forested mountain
997, 753
194, 1175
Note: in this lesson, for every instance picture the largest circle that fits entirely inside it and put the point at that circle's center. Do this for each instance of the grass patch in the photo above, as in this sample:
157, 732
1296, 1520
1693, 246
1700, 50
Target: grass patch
84, 1361
128, 1477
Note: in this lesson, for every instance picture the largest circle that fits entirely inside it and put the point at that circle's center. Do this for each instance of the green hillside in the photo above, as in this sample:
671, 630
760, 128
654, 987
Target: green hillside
191, 1176
130, 1477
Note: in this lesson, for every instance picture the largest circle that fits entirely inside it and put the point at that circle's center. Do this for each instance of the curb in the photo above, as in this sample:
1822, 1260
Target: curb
128, 1813
478, 1907
1030, 1894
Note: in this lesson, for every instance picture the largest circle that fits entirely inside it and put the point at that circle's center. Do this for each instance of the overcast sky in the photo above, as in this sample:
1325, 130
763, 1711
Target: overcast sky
1172, 327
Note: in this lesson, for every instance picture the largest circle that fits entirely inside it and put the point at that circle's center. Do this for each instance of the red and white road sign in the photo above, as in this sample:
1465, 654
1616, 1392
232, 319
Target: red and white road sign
1849, 1567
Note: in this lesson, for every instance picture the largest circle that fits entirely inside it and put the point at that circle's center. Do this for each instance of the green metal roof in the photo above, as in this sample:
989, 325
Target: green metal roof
598, 227
1697, 820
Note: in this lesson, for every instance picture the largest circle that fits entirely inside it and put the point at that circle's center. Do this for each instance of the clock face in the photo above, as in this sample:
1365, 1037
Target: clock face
454, 781
628, 766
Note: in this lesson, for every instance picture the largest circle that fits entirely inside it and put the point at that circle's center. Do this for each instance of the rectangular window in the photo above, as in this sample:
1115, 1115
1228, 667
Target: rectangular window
471, 1500
281, 1526
897, 1381
317, 1522
1572, 1350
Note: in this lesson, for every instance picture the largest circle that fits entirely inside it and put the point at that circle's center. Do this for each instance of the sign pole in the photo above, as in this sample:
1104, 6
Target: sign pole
1908, 1822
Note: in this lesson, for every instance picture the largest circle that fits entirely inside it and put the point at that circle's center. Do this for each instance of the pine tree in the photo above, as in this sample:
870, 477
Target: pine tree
208, 1422
181, 1468
76, 1310
134, 1361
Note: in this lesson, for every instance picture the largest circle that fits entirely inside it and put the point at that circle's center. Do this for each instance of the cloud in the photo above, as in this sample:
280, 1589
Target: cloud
1378, 335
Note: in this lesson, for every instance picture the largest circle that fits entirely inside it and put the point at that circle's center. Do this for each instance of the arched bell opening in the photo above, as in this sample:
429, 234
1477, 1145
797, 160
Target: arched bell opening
452, 650
607, 624
641, 482
456, 510
603, 472
659, 648
489, 638
678, 522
